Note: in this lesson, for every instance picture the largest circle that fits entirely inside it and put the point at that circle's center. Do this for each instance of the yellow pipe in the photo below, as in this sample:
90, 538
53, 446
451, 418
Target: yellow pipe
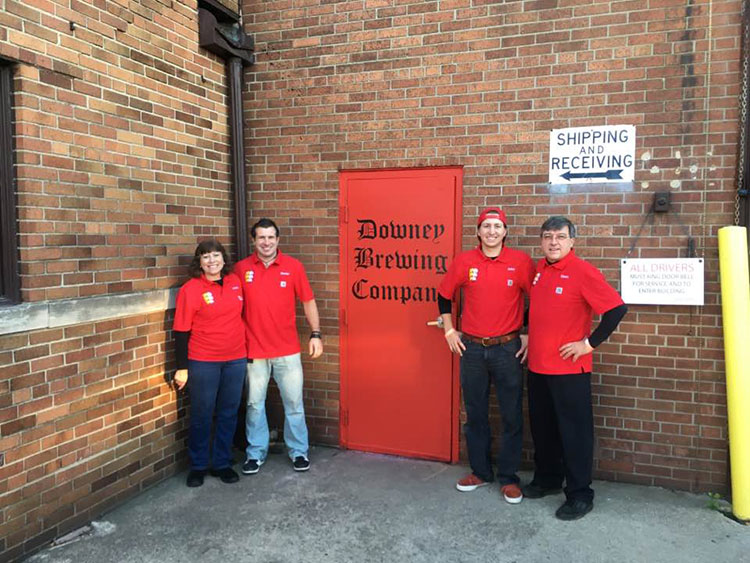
735, 307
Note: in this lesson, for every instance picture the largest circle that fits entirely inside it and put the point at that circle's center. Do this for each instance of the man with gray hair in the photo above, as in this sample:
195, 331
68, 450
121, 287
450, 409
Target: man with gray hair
566, 291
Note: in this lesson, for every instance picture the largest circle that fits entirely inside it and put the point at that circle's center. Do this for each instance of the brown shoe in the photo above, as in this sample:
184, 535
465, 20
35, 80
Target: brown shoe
511, 493
469, 483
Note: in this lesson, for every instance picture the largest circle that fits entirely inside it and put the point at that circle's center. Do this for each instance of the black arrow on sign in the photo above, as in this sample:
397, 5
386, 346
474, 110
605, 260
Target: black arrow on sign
609, 175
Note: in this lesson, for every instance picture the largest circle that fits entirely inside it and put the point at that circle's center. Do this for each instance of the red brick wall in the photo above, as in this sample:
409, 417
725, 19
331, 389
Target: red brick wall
122, 145
86, 420
412, 83
122, 166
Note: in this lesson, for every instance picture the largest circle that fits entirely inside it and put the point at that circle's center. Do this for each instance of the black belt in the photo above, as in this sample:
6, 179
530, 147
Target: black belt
493, 340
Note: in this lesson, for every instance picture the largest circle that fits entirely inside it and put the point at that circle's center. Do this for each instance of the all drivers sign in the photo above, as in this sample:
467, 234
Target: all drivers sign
592, 154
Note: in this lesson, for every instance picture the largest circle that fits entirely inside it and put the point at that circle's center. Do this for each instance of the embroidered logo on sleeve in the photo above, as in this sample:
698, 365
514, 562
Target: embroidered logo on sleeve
558, 290
249, 275
536, 278
208, 297
473, 274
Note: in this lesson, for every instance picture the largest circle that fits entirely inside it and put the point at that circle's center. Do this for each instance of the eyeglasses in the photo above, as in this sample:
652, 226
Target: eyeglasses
552, 237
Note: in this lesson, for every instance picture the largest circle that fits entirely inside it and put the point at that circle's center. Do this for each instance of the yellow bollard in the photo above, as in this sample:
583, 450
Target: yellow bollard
735, 307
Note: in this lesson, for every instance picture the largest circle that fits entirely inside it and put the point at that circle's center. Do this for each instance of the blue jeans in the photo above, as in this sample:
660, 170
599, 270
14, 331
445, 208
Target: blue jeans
287, 372
497, 364
215, 388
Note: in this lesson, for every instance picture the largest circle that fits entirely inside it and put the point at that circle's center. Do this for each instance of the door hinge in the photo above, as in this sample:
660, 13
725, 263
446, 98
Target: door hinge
344, 318
344, 214
344, 417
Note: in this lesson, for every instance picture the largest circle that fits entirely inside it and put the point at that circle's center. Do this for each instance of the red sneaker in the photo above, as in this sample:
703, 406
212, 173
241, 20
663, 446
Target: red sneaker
469, 483
511, 493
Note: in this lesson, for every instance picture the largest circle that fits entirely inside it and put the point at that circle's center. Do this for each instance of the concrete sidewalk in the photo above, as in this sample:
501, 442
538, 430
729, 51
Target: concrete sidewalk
357, 507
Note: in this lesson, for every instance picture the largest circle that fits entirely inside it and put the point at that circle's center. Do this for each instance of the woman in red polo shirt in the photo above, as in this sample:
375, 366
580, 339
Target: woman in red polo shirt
211, 359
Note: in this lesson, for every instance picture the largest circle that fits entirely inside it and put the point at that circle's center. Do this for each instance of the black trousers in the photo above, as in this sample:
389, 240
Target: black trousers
498, 365
562, 426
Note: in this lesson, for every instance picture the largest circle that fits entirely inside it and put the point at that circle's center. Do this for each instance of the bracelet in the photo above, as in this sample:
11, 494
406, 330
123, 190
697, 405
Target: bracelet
316, 334
449, 332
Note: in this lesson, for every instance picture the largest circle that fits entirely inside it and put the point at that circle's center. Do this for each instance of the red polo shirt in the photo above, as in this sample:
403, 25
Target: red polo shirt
269, 311
564, 296
493, 290
213, 315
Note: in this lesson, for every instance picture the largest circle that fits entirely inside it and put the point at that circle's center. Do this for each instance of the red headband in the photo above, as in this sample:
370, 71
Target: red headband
491, 212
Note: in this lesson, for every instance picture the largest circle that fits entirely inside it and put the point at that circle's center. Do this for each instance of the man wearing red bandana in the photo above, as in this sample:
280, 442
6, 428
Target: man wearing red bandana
494, 280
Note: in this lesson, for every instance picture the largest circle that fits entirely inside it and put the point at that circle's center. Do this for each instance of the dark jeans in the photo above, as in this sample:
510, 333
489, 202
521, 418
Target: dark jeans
479, 367
215, 388
562, 426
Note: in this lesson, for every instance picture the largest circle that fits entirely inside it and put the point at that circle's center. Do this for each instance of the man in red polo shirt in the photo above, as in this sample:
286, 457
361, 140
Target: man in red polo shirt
272, 283
565, 293
494, 279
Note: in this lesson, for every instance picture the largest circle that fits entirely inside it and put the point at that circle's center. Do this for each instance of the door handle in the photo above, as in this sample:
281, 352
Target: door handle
438, 322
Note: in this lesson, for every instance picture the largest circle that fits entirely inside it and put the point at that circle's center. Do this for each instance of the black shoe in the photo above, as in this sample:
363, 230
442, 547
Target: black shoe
301, 463
251, 466
532, 490
573, 509
195, 477
226, 474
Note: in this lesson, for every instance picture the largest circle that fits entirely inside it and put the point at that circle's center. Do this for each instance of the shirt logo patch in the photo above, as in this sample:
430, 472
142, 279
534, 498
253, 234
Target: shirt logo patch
511, 269
536, 278
473, 274
558, 290
208, 297
510, 283
564, 276
282, 283
285, 273
249, 275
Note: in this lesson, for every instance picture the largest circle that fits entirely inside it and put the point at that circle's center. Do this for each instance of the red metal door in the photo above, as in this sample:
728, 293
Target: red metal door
399, 388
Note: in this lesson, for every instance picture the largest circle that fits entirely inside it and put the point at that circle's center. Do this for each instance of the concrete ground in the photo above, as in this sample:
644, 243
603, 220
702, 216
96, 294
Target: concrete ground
358, 507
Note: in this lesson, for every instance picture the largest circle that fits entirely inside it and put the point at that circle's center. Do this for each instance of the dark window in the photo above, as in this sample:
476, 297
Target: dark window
10, 290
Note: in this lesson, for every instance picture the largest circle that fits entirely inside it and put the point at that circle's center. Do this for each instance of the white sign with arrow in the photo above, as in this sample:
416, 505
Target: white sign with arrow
604, 153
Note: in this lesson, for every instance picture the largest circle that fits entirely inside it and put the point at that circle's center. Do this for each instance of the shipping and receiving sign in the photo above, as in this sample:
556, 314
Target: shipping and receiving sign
662, 281
592, 154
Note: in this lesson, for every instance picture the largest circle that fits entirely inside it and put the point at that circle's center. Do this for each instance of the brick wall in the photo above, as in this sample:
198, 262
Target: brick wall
122, 145
122, 165
374, 84
86, 420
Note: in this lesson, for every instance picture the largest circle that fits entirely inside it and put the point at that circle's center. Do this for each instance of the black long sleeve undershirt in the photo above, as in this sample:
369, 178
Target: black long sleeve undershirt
607, 325
181, 348
444, 305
